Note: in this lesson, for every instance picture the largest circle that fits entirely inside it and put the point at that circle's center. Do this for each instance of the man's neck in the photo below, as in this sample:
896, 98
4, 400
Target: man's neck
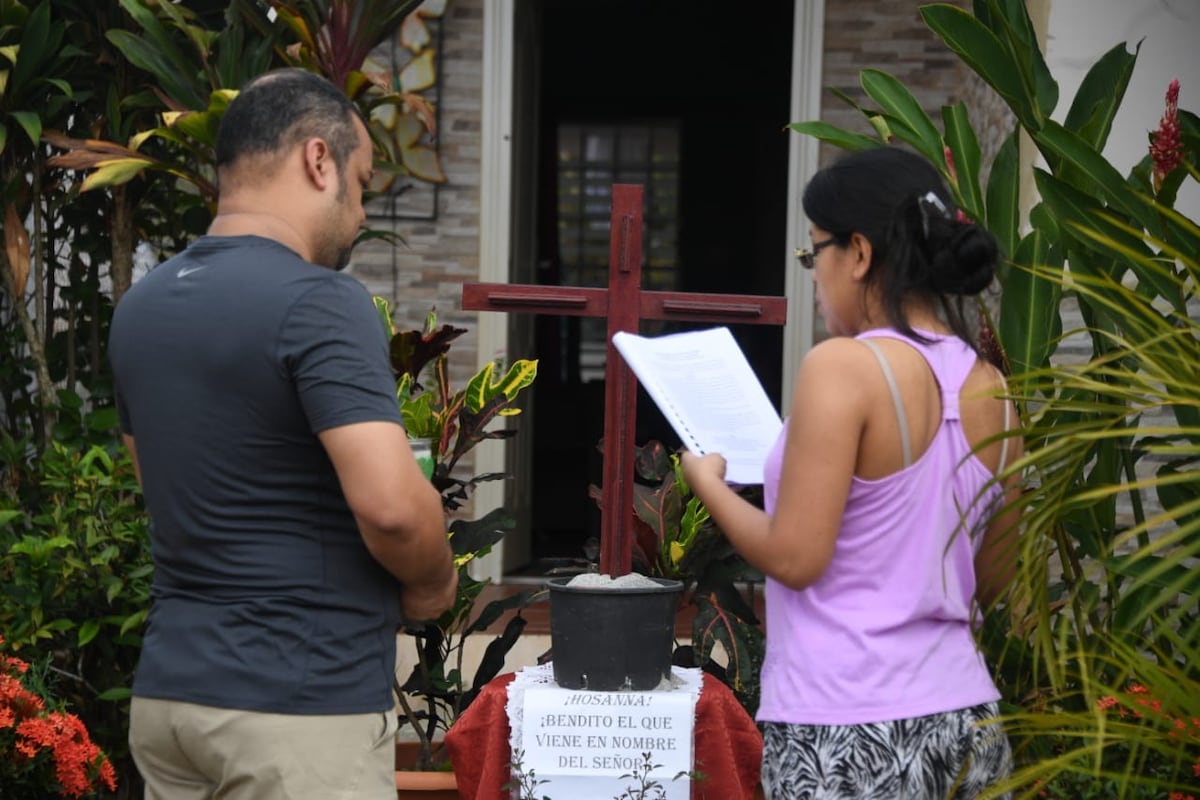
259, 223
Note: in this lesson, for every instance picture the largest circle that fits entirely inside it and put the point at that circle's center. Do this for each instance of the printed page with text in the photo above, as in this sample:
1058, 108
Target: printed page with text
707, 390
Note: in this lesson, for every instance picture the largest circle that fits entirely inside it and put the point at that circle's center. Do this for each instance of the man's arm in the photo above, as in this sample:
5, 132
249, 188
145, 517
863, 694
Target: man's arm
399, 512
131, 446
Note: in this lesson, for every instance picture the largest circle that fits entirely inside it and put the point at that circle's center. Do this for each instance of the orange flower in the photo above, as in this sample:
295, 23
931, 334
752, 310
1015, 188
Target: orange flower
78, 762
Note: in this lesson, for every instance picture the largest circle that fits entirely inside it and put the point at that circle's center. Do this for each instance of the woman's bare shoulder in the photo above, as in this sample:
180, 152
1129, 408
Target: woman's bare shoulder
839, 366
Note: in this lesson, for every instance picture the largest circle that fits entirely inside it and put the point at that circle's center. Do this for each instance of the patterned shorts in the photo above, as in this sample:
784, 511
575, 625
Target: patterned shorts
946, 756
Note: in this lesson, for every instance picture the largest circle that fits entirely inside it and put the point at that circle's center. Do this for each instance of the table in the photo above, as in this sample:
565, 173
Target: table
728, 745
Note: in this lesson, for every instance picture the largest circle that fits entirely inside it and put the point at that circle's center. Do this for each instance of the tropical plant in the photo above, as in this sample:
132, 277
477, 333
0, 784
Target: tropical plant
674, 537
33, 94
75, 573
1105, 594
130, 92
197, 70
455, 421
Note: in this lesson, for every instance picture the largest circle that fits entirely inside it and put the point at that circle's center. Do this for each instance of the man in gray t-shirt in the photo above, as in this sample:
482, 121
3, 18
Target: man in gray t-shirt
291, 525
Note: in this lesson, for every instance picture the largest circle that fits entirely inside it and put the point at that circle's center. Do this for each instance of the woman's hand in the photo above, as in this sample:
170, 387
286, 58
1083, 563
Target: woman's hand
698, 470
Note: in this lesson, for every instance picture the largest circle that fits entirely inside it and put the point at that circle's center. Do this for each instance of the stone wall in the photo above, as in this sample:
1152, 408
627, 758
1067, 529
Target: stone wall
890, 36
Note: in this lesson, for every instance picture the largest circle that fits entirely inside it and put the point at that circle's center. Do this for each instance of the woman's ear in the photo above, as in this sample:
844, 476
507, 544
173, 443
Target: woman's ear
861, 252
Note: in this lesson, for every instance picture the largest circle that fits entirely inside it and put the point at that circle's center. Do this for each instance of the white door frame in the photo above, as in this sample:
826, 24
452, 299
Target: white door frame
495, 194
495, 237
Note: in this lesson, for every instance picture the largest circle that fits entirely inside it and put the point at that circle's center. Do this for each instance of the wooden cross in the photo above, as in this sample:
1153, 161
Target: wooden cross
625, 305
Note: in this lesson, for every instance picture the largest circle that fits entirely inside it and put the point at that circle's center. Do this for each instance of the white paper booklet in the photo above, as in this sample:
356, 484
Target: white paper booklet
706, 389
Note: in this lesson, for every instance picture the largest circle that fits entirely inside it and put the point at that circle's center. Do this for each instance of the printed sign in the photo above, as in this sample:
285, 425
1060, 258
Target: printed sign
598, 744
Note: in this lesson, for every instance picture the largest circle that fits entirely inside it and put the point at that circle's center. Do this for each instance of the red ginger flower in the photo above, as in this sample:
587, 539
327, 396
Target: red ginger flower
1166, 144
959, 214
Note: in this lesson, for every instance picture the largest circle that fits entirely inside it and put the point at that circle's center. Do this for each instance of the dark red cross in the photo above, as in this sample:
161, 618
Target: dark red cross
625, 305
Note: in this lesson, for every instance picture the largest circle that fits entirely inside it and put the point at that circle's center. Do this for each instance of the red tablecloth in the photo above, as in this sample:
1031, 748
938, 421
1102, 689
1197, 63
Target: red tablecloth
728, 746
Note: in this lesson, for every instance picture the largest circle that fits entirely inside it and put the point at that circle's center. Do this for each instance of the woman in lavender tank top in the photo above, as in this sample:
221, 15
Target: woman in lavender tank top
884, 528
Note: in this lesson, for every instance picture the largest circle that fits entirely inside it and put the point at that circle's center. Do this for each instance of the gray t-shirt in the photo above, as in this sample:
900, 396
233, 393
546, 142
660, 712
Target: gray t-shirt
228, 360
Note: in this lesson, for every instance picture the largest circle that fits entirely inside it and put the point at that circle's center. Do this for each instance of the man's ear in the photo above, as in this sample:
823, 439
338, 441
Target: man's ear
318, 163
862, 253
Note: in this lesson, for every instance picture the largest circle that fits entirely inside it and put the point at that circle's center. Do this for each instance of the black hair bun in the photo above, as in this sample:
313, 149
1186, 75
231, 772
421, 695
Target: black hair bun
966, 264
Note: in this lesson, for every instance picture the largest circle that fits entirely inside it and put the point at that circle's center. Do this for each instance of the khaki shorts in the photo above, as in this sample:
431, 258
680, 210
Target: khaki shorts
192, 752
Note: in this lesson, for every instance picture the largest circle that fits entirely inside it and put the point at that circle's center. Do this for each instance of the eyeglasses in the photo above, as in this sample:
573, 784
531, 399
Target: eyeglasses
808, 257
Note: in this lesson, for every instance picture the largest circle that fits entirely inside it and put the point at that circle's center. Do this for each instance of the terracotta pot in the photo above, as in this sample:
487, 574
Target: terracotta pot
414, 784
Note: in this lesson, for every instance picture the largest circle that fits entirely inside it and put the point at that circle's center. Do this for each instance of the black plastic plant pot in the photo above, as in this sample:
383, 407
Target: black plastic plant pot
612, 638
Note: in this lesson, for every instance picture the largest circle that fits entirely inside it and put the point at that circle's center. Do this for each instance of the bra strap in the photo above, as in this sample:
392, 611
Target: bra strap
897, 400
1007, 421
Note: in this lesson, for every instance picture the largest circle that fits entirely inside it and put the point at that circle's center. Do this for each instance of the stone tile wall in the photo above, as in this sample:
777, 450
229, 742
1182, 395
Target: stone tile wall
438, 255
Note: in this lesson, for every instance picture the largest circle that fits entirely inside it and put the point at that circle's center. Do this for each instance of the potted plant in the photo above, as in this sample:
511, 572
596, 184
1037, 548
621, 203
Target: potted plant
455, 420
1096, 648
675, 538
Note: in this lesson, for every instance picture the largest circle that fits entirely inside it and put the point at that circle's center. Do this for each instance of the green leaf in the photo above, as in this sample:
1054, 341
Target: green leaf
1029, 317
88, 631
475, 536
1022, 42
1179, 495
135, 620
201, 126
116, 694
1099, 96
741, 640
384, 309
199, 37
39, 548
157, 53
36, 48
982, 51
846, 140
1100, 231
115, 173
7, 516
964, 148
1119, 248
481, 389
879, 123
901, 106
1004, 194
69, 399
1098, 170
61, 85
496, 608
104, 419
31, 123
494, 654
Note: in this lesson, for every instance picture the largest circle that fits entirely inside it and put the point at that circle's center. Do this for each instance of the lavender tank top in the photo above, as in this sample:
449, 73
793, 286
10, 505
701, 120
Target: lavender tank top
885, 633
